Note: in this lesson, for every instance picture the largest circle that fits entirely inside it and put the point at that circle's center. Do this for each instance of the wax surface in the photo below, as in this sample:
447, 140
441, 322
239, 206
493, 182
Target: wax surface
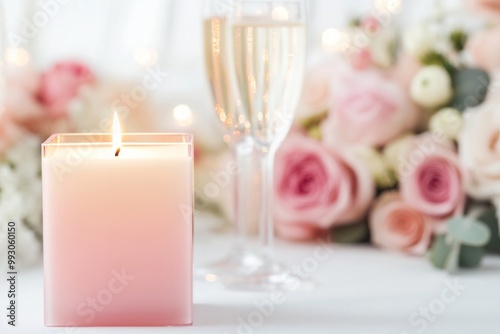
118, 238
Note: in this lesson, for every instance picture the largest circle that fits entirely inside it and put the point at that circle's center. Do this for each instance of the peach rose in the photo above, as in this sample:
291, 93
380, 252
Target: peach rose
484, 48
431, 177
61, 84
316, 188
396, 225
368, 109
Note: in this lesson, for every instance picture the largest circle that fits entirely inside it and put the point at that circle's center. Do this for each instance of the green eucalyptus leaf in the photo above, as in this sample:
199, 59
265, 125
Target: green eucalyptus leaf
439, 251
350, 233
489, 218
471, 86
469, 257
469, 232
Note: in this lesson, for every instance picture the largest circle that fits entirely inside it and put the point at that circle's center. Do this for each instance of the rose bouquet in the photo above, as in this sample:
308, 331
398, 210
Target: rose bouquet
36, 105
397, 140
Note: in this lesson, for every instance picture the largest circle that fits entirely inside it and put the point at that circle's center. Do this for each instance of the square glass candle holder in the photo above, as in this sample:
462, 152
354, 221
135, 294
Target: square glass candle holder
118, 230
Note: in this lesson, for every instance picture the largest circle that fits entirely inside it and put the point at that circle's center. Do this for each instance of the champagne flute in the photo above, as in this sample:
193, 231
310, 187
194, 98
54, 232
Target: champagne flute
240, 259
268, 42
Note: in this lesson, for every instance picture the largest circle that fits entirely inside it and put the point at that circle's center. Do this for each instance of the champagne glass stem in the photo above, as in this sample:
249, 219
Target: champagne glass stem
240, 259
266, 228
242, 151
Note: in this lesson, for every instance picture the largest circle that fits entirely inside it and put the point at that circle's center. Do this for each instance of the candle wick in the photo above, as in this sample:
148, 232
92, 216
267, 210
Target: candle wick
117, 151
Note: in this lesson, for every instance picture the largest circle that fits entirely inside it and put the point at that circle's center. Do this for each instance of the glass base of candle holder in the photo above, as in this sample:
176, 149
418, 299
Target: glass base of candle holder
239, 263
270, 276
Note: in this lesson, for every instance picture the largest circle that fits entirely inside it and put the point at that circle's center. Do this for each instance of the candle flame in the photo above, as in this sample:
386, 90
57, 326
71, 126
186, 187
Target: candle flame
117, 135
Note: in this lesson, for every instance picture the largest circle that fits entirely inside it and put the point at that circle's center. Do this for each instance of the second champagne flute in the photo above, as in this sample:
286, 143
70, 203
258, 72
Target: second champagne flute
268, 59
240, 259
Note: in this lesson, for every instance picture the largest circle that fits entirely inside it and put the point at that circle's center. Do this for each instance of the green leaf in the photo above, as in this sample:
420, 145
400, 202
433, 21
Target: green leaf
469, 232
439, 251
355, 22
314, 121
436, 58
458, 39
489, 218
350, 233
471, 86
314, 132
469, 257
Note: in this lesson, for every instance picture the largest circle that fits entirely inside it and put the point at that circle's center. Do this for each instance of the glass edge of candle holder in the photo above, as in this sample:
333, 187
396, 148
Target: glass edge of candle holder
152, 139
126, 138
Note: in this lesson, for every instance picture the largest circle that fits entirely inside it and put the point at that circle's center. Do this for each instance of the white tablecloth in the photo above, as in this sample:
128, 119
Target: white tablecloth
361, 290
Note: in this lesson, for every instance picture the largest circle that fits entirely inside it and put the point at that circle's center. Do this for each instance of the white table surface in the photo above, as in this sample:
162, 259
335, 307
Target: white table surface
361, 290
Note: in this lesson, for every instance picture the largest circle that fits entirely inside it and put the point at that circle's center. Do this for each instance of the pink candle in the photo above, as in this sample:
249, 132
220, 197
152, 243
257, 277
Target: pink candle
117, 230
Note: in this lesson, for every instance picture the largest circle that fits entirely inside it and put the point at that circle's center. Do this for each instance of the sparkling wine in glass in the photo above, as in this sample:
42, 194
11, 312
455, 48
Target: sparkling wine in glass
268, 46
240, 259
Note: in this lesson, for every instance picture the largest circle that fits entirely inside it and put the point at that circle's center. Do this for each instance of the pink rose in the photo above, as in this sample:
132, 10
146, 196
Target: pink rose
362, 59
61, 84
23, 110
316, 188
396, 225
431, 177
368, 109
370, 25
487, 8
484, 48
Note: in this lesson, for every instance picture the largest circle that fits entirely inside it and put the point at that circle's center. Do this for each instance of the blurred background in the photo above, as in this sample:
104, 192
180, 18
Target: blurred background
121, 39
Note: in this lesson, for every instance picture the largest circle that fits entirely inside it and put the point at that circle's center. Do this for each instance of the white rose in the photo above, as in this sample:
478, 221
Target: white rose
447, 121
417, 40
431, 87
479, 151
